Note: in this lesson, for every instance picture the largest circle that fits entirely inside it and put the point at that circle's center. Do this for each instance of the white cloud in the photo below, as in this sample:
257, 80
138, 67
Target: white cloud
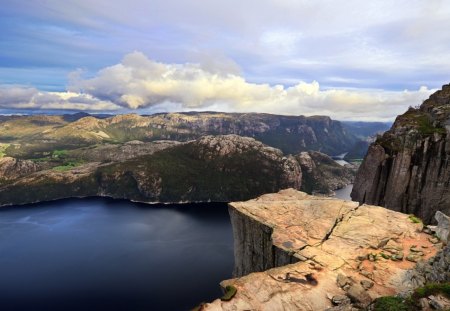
138, 82
17, 97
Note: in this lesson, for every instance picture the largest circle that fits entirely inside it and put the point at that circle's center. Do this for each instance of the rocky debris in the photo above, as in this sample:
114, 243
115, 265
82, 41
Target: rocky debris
407, 169
340, 300
331, 241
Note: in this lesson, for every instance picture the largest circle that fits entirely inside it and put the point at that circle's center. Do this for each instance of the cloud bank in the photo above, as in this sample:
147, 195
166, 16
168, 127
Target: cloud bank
138, 84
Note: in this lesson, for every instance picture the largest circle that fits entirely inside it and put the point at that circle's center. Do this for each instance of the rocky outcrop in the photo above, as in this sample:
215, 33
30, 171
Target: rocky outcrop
213, 168
321, 174
335, 253
11, 168
408, 168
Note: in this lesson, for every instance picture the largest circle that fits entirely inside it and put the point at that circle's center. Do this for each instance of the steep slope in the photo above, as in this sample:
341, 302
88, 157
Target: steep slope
408, 168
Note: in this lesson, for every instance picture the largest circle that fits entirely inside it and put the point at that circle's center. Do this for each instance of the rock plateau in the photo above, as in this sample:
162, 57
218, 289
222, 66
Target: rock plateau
294, 251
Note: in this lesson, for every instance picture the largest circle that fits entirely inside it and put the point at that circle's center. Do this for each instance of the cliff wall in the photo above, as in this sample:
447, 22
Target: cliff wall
408, 168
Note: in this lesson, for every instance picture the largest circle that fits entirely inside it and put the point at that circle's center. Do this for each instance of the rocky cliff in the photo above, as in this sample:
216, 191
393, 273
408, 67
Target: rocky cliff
212, 168
321, 175
408, 168
294, 251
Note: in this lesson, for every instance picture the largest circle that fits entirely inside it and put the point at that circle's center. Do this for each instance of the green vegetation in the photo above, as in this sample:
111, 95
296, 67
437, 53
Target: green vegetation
432, 289
59, 154
426, 126
414, 219
390, 303
3, 148
230, 291
67, 166
393, 303
384, 256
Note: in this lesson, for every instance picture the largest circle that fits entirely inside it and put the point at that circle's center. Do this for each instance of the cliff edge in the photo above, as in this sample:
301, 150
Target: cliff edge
407, 169
294, 251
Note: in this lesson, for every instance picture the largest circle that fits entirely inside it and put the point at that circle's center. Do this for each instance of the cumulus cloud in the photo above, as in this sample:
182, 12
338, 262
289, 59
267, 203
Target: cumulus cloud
16, 97
139, 82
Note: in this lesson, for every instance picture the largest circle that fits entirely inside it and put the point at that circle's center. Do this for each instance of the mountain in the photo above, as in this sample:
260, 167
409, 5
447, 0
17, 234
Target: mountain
34, 136
366, 130
211, 168
407, 169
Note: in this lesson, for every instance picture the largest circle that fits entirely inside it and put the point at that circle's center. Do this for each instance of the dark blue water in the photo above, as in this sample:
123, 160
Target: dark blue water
99, 254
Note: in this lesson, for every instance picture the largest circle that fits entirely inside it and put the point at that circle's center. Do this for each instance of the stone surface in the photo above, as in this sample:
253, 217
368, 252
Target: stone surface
327, 238
443, 227
407, 169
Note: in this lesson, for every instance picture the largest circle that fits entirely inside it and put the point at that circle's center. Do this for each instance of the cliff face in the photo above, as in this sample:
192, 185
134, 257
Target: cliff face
294, 251
408, 168
11, 168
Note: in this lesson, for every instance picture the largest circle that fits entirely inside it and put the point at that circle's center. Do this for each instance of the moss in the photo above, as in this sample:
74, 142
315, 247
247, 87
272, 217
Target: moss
3, 148
414, 219
59, 153
230, 292
432, 289
384, 256
67, 166
426, 126
391, 303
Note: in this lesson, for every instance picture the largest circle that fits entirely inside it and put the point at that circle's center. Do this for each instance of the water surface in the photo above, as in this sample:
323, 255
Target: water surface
100, 254
344, 193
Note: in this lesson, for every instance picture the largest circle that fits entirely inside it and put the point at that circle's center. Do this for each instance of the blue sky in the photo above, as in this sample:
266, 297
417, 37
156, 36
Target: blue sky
347, 59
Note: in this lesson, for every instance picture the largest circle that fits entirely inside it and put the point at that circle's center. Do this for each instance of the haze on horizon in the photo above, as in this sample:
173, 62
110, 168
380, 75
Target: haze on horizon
350, 60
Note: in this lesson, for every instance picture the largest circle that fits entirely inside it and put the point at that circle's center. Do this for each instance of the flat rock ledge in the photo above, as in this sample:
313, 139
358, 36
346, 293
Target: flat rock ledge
294, 251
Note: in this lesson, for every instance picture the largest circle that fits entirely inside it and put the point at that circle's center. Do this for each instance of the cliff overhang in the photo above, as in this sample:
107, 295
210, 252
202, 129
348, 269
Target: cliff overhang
294, 251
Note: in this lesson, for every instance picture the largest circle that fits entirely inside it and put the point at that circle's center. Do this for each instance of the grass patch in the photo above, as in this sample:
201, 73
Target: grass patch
3, 148
393, 303
432, 289
230, 291
390, 303
414, 219
426, 127
59, 154
67, 166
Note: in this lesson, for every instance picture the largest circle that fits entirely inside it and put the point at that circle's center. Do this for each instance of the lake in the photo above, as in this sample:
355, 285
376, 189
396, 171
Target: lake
344, 193
101, 254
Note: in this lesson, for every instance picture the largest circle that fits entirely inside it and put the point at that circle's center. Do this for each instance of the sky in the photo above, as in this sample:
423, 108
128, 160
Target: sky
351, 60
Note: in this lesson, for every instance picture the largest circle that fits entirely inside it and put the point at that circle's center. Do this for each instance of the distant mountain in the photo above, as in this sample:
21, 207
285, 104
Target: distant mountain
366, 130
34, 136
211, 168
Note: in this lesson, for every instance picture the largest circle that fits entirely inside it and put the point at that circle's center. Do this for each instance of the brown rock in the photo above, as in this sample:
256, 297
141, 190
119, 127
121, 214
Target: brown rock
328, 232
